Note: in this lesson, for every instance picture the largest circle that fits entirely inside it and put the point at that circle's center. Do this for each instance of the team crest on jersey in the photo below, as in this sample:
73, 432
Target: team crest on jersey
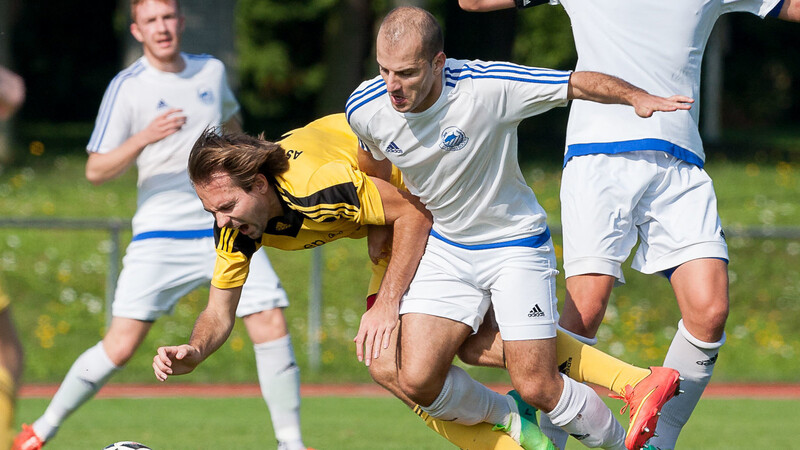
206, 95
453, 139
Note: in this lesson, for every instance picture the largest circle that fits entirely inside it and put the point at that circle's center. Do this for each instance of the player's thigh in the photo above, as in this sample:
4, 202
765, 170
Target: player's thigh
263, 290
598, 196
678, 220
522, 283
156, 273
428, 345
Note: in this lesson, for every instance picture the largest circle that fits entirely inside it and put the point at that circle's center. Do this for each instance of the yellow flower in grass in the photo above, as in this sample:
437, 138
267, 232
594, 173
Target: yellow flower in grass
45, 332
237, 343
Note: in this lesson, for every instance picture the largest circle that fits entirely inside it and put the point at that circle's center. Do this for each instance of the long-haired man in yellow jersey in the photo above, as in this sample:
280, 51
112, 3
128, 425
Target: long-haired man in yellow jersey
307, 190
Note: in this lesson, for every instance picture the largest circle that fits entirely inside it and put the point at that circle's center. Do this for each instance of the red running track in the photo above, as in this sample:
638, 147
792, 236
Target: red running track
714, 390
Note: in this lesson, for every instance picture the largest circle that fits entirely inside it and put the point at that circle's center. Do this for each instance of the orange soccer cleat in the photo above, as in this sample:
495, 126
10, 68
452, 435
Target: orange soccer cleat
27, 439
645, 401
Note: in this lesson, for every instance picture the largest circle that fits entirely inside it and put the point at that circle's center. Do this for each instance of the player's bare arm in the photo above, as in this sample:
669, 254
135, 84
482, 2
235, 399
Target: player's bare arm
485, 5
102, 167
378, 237
601, 88
411, 225
790, 10
212, 328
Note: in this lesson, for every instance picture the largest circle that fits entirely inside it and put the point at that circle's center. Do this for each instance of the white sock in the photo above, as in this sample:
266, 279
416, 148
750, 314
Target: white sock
465, 401
86, 376
279, 378
581, 413
555, 433
695, 360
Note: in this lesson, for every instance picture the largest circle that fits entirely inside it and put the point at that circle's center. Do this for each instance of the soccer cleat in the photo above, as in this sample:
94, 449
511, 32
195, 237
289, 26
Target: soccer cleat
523, 426
27, 439
645, 401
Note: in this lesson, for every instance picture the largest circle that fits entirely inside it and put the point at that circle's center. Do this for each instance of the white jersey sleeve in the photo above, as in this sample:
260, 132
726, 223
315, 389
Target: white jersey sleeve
510, 91
113, 123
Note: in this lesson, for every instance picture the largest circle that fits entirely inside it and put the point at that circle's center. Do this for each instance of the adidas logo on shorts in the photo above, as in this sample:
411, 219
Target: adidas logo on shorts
536, 311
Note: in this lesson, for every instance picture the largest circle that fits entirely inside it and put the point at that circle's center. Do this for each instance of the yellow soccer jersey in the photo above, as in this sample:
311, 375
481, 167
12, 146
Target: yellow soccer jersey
325, 197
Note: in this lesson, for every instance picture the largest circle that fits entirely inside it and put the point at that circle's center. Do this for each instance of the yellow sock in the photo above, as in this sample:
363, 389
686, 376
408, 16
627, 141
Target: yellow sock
469, 437
7, 390
585, 363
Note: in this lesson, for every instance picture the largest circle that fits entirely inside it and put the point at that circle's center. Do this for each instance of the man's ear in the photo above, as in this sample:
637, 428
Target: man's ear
261, 185
438, 63
137, 34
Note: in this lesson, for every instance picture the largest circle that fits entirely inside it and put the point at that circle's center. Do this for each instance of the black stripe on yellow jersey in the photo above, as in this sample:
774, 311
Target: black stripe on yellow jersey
327, 204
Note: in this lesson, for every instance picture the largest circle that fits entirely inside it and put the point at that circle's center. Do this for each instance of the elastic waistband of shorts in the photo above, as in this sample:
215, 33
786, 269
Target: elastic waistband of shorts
532, 241
174, 234
613, 148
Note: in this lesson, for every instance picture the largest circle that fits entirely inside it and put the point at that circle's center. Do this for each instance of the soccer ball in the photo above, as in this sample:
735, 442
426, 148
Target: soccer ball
126, 445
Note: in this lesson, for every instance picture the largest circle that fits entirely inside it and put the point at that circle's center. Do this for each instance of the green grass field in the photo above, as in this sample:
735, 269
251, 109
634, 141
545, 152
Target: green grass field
56, 280
335, 423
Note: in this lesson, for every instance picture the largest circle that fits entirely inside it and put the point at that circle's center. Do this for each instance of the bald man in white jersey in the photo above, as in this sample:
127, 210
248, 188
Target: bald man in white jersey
625, 177
151, 114
450, 126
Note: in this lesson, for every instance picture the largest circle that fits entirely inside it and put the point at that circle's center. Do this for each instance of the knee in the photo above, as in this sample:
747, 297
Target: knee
265, 326
419, 389
119, 352
384, 372
543, 396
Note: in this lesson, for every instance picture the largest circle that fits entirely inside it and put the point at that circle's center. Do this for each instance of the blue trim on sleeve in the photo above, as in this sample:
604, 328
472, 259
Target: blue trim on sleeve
613, 148
507, 71
108, 104
776, 10
533, 241
175, 234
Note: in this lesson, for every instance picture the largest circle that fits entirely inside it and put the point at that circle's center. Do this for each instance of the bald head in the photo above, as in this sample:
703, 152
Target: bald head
409, 22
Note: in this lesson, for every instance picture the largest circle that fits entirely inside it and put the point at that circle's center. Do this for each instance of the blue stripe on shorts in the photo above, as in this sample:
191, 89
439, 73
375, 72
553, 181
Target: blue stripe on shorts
533, 241
177, 234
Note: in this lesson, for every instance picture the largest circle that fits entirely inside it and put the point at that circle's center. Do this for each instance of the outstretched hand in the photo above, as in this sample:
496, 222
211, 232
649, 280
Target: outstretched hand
175, 360
647, 104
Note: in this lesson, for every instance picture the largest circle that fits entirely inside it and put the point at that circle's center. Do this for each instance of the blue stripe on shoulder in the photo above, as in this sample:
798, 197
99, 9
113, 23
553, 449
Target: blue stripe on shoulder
612, 148
353, 108
358, 95
107, 106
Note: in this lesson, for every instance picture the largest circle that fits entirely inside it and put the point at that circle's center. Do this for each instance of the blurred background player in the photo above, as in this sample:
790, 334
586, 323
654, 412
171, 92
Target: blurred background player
450, 126
151, 114
626, 177
12, 94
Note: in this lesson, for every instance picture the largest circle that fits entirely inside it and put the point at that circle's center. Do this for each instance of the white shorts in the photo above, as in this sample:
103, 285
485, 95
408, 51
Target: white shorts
157, 272
460, 284
607, 201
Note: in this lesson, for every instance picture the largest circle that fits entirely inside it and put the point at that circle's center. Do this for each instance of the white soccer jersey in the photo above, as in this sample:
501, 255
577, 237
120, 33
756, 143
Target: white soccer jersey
166, 199
656, 45
460, 155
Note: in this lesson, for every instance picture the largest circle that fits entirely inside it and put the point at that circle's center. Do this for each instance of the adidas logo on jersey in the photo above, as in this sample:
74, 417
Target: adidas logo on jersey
393, 148
280, 226
162, 104
536, 311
